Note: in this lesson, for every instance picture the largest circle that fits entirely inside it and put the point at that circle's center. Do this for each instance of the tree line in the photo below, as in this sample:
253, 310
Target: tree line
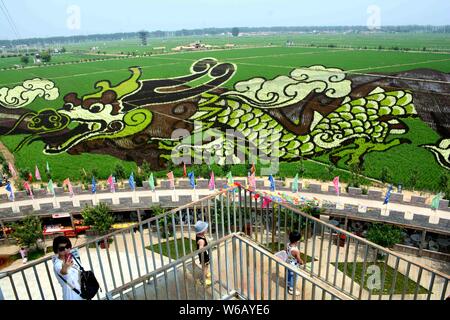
217, 31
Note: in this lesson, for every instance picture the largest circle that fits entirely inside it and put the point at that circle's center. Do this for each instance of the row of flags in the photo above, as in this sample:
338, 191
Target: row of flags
211, 185
37, 174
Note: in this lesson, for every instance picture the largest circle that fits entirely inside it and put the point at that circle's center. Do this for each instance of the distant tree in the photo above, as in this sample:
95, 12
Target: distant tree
385, 175
146, 169
28, 231
45, 56
143, 35
99, 217
25, 60
235, 31
119, 171
63, 50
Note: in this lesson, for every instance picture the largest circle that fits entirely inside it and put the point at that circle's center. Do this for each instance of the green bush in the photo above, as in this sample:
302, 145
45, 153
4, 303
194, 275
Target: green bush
385, 235
28, 231
99, 217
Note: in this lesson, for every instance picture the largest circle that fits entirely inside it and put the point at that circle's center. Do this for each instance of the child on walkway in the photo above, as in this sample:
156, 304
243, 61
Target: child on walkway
293, 258
23, 254
200, 239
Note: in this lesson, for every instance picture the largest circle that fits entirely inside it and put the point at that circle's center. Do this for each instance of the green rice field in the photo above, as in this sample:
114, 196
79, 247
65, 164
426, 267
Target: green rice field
267, 62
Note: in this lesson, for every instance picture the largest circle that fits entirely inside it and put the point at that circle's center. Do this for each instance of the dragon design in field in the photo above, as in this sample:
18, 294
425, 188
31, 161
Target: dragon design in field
313, 110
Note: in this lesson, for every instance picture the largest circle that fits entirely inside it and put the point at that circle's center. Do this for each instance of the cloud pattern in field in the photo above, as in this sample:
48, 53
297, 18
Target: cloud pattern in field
27, 92
287, 90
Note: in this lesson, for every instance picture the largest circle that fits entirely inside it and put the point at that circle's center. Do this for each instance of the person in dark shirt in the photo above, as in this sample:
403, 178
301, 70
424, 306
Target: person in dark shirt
200, 239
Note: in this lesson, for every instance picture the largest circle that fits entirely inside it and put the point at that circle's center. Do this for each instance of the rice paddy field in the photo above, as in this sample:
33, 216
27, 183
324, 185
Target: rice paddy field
252, 59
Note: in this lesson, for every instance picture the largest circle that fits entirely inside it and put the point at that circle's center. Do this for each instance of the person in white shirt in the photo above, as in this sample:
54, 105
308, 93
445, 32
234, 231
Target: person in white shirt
66, 271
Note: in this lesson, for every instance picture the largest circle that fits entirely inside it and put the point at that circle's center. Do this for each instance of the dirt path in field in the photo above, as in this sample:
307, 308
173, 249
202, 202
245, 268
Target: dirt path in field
9, 157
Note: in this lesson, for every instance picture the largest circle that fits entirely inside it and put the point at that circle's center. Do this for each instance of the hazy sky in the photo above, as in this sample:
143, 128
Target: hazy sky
46, 18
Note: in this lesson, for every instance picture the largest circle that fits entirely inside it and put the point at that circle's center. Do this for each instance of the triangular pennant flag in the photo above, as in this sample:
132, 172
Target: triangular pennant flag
94, 185
388, 195
212, 183
10, 190
295, 184
336, 185
151, 182
436, 200
272, 183
69, 186
28, 188
37, 174
230, 178
131, 182
47, 168
50, 187
111, 182
12, 170
252, 181
171, 179
184, 170
191, 179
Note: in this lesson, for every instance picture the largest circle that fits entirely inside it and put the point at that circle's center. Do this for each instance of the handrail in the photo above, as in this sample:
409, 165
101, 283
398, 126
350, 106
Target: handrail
351, 235
120, 231
170, 265
316, 281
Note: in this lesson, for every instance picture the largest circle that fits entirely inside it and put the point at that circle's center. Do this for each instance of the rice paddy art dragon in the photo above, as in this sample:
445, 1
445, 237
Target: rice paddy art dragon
138, 116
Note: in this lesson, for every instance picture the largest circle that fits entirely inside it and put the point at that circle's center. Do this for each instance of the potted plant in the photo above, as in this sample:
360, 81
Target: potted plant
100, 218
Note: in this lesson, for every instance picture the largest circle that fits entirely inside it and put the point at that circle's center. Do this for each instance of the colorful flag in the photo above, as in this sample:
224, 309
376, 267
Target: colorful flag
12, 170
50, 187
10, 190
184, 170
110, 181
336, 184
69, 186
192, 179
252, 181
230, 178
37, 174
295, 184
139, 171
47, 167
84, 172
272, 183
253, 169
171, 179
436, 200
30, 177
388, 195
131, 182
27, 187
94, 185
151, 182
212, 183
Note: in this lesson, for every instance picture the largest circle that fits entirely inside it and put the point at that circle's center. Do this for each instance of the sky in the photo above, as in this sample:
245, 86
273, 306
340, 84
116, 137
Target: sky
47, 18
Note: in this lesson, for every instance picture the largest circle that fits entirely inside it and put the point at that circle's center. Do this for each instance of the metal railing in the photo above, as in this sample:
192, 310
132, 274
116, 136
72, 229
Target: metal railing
164, 241
354, 265
247, 271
